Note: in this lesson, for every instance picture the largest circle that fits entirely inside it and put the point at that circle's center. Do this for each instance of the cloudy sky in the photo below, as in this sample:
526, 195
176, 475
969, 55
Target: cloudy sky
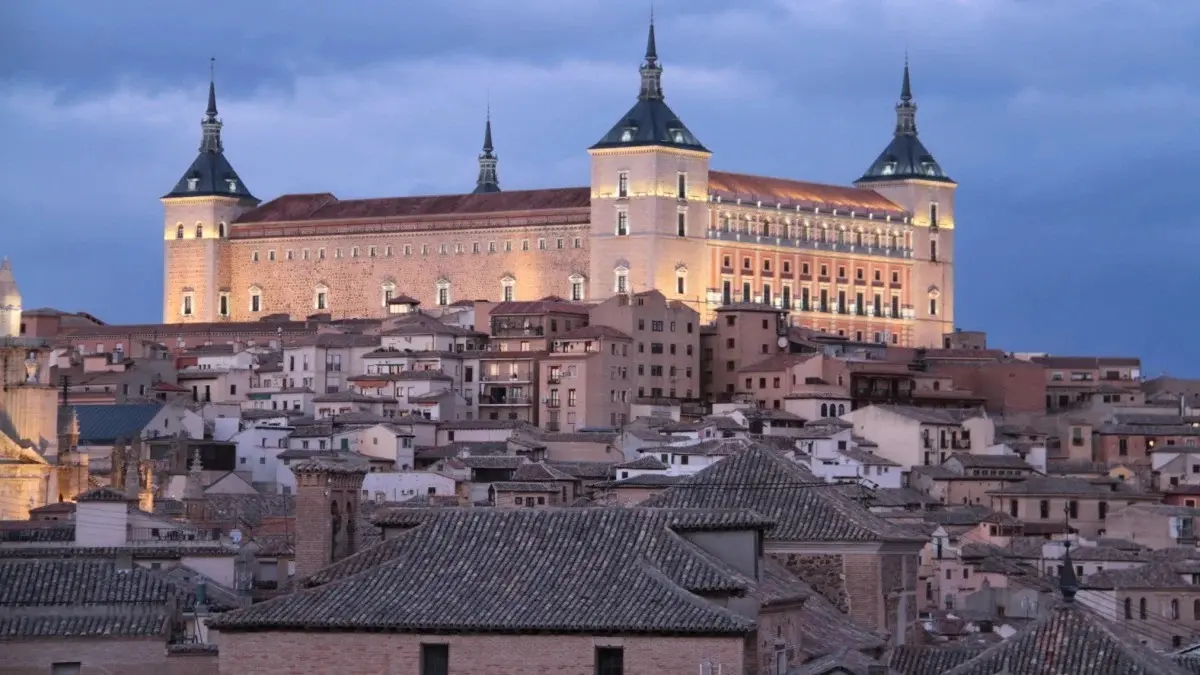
1072, 127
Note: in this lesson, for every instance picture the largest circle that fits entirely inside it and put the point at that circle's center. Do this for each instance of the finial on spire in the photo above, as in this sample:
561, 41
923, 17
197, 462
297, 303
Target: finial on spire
906, 88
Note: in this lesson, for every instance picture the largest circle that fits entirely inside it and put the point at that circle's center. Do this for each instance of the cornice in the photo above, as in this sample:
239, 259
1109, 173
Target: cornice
649, 149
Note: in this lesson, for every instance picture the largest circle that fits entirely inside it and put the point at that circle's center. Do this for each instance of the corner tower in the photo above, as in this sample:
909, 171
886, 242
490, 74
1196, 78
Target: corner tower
906, 173
649, 210
198, 214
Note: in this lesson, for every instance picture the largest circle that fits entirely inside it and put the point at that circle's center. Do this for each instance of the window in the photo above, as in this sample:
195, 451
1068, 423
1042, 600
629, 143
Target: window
577, 242
322, 299
559, 244
681, 185
681, 224
186, 310
622, 281
622, 184
1129, 608
933, 308
541, 244
443, 293
223, 304
1142, 608
255, 301
435, 659
253, 254
68, 668
680, 284
933, 215
609, 661
1044, 508
933, 250
271, 255
179, 235
576, 288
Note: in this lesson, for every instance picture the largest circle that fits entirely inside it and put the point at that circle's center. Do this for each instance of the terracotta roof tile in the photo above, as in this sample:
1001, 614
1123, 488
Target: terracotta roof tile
326, 207
732, 186
641, 576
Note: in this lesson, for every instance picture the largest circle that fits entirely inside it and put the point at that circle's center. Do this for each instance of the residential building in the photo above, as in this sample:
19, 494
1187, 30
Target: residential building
508, 386
1085, 504
666, 334
1157, 604
587, 379
1156, 526
745, 333
1071, 380
323, 362
912, 436
966, 478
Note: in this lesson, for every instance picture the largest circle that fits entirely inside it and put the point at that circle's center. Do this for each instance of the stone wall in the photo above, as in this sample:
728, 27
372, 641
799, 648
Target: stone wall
292, 653
823, 572
355, 284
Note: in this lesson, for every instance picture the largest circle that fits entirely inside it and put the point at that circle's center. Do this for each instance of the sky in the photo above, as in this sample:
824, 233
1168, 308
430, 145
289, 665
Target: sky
1072, 128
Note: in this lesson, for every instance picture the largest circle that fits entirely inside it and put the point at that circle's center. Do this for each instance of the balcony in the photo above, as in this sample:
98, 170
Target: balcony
505, 400
553, 403
520, 376
810, 244
141, 535
554, 378
517, 328
962, 444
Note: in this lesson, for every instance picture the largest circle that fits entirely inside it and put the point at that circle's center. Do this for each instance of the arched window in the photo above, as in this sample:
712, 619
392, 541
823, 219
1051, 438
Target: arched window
179, 231
1175, 610
841, 409
221, 230
766, 228
1129, 607
199, 231
824, 410
1142, 608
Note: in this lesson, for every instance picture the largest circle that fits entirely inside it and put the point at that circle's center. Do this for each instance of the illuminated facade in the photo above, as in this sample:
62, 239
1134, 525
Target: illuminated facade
873, 262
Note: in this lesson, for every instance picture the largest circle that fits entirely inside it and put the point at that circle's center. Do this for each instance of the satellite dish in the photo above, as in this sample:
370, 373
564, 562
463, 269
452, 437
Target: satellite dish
783, 342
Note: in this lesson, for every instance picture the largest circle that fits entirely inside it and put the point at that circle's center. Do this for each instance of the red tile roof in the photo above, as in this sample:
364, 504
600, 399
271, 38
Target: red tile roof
326, 207
773, 191
544, 306
592, 332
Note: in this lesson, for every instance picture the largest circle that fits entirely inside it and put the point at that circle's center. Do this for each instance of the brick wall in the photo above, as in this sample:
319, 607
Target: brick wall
823, 572
292, 653
102, 657
863, 577
316, 543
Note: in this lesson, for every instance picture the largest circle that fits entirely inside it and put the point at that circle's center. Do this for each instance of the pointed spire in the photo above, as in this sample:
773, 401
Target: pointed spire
906, 110
1068, 583
651, 71
210, 139
488, 180
651, 48
212, 88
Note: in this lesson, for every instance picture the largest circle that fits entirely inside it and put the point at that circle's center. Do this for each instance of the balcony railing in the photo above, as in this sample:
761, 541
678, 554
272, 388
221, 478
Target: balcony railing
506, 377
507, 400
553, 403
171, 535
554, 379
809, 244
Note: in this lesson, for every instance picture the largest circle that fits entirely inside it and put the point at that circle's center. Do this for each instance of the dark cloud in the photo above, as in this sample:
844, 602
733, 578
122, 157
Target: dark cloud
1071, 129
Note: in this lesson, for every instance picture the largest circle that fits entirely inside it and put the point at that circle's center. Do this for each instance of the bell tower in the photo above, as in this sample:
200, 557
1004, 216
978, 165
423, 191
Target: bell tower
906, 173
327, 506
199, 212
649, 202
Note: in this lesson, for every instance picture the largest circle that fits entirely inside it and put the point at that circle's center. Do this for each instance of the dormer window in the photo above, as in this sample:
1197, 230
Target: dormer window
192, 184
677, 136
628, 132
232, 183
929, 168
889, 168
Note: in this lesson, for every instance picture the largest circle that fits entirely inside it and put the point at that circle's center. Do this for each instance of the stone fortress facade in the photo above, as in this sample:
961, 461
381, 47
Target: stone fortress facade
873, 261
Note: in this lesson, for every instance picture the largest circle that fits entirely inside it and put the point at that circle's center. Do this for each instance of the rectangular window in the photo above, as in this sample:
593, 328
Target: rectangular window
747, 296
933, 214
577, 243
622, 223
353, 251
787, 297
66, 668
681, 224
289, 255
541, 244
491, 247
271, 255
474, 247
187, 305
933, 251
435, 659
610, 661
577, 290
681, 185
255, 303
622, 184
320, 301
371, 251
524, 244
508, 293
559, 244
679, 285
933, 307
443, 296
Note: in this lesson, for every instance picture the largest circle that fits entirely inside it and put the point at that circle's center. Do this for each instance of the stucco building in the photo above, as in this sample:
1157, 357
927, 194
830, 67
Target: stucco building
874, 259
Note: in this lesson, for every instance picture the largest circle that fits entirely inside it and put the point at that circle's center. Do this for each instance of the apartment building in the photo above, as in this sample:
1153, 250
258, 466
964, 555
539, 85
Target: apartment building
586, 379
508, 385
324, 362
530, 326
743, 334
666, 334
1071, 380
912, 436
1082, 502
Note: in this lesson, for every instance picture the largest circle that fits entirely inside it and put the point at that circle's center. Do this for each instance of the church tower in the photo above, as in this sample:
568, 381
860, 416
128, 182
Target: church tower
199, 211
906, 173
649, 211
10, 302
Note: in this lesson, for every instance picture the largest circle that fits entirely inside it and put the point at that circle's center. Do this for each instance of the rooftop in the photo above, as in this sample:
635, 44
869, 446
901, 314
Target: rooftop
641, 576
804, 507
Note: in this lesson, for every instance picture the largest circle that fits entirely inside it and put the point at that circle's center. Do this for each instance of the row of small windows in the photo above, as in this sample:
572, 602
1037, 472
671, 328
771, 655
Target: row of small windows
767, 268
321, 295
423, 249
681, 184
180, 231
824, 232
